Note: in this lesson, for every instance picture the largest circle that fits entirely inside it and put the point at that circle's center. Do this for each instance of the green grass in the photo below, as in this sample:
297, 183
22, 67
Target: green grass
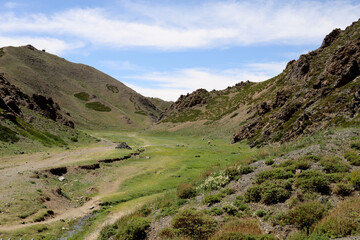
82, 96
98, 106
8, 135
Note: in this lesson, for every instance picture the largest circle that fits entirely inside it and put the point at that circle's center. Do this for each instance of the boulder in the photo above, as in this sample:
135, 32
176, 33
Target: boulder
123, 145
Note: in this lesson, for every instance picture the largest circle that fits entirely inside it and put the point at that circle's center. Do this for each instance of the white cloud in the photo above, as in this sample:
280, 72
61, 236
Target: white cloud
11, 5
208, 25
51, 45
170, 85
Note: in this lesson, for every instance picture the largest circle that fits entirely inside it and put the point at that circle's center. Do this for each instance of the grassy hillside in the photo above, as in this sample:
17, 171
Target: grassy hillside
93, 99
317, 91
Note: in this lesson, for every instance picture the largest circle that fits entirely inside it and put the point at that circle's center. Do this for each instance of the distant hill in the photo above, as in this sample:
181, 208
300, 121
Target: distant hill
319, 90
92, 98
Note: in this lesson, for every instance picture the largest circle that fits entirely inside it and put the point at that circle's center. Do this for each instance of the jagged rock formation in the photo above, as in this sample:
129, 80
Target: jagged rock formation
12, 98
319, 90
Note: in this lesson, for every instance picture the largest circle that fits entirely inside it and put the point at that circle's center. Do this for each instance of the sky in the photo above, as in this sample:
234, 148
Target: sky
163, 48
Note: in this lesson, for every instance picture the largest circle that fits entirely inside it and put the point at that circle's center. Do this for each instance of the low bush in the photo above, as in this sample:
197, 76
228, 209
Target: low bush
334, 165
342, 221
355, 179
277, 173
260, 213
216, 211
167, 233
130, 227
269, 162
355, 145
212, 199
269, 192
215, 182
353, 157
194, 224
241, 236
240, 205
234, 172
343, 189
306, 214
312, 181
186, 190
228, 191
231, 210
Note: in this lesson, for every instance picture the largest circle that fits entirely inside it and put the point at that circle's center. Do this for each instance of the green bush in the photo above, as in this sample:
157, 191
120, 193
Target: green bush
260, 213
353, 157
337, 177
355, 145
312, 181
186, 190
216, 211
343, 189
334, 165
342, 221
306, 214
355, 179
231, 210
98, 106
277, 173
234, 172
269, 162
212, 199
240, 205
227, 191
167, 233
269, 192
194, 224
82, 96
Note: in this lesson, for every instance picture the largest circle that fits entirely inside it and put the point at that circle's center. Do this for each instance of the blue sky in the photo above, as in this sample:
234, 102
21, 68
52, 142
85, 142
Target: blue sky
166, 48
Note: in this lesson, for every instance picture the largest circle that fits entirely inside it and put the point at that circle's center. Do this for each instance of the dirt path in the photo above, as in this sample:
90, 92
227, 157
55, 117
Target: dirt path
12, 169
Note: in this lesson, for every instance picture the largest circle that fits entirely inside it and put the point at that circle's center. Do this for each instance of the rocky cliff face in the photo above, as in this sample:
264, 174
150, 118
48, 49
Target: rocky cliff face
319, 90
12, 99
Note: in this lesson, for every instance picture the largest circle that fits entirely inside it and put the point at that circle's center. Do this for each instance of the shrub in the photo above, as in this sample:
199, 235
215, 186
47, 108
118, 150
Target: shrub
334, 165
306, 214
341, 221
277, 173
133, 229
269, 192
167, 233
211, 199
355, 145
343, 189
260, 213
269, 162
231, 210
241, 236
240, 205
353, 157
312, 181
234, 172
186, 190
194, 224
215, 182
336, 177
228, 191
355, 179
216, 211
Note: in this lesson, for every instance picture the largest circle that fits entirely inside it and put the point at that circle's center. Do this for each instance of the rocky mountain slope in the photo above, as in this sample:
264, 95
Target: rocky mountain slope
92, 98
319, 90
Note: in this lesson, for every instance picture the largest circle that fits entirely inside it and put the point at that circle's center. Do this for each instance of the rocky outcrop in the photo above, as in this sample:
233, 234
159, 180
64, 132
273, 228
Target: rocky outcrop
319, 90
12, 99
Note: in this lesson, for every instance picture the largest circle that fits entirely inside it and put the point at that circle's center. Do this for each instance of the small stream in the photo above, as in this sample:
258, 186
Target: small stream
76, 227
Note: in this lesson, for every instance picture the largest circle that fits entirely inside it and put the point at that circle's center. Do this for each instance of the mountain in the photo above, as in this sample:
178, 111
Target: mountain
319, 90
92, 98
